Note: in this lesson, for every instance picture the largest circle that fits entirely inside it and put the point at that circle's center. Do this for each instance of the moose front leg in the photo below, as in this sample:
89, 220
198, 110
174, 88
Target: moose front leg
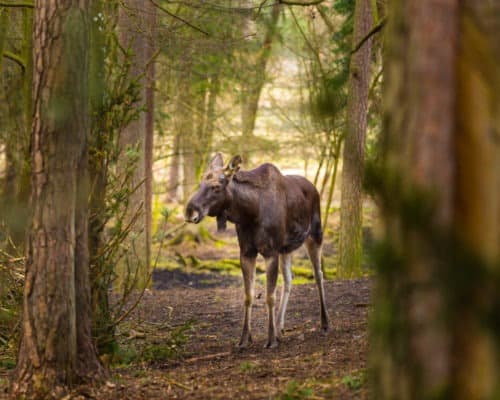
271, 279
248, 269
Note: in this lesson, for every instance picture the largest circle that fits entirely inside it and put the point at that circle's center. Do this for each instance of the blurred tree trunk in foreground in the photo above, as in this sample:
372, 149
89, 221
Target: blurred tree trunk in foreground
350, 241
56, 349
137, 21
436, 331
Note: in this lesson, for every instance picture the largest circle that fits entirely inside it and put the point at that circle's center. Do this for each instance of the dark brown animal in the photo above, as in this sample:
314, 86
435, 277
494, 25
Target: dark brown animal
274, 215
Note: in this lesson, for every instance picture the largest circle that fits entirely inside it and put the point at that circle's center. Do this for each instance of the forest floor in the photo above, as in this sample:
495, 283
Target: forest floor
180, 341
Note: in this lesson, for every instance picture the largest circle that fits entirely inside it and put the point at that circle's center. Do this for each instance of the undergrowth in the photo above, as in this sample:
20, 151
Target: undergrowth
151, 343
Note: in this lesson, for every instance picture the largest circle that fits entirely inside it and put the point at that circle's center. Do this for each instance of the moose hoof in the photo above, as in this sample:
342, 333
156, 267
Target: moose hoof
245, 342
271, 344
325, 329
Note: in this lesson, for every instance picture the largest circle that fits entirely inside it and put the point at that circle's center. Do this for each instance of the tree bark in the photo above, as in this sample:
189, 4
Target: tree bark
439, 282
56, 349
477, 191
136, 20
101, 274
254, 80
351, 206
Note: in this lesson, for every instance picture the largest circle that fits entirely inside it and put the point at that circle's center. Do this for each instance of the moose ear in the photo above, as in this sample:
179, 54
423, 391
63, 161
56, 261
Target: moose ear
233, 166
216, 163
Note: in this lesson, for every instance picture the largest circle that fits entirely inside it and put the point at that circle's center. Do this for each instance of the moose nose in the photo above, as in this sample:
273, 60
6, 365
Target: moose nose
192, 214
195, 217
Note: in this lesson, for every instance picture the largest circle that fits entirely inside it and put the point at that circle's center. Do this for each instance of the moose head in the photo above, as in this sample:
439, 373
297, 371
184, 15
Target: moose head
213, 196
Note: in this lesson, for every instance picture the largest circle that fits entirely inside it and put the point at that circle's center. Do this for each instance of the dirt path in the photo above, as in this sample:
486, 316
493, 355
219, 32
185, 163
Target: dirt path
307, 364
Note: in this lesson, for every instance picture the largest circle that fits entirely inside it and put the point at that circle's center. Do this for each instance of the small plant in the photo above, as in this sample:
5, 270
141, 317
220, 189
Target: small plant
354, 382
247, 366
169, 347
125, 356
294, 391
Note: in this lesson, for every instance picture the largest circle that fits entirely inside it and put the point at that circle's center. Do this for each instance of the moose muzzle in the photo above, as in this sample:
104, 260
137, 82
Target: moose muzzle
193, 214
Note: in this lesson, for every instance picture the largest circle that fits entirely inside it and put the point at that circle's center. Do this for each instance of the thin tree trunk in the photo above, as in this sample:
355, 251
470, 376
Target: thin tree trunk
102, 329
174, 170
207, 140
4, 24
350, 242
135, 35
184, 126
336, 158
16, 187
56, 350
253, 83
149, 130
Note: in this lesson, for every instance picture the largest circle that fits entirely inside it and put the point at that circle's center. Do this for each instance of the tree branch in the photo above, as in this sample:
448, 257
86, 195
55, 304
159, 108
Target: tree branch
179, 18
14, 57
300, 3
27, 4
372, 32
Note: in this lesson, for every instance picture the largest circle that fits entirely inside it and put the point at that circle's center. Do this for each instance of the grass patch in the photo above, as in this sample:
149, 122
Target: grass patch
247, 366
354, 381
7, 362
296, 391
224, 266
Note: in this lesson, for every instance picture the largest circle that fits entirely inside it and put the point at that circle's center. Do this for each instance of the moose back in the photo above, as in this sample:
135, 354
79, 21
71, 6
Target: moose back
274, 215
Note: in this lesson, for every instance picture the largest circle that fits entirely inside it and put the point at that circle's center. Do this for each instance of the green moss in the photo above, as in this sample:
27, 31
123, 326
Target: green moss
224, 265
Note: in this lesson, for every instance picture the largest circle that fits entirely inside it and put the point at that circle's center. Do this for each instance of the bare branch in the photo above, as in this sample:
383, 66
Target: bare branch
372, 32
14, 57
26, 4
179, 18
300, 3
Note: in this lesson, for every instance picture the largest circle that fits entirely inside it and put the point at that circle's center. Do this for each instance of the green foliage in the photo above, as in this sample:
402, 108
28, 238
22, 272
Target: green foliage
344, 7
155, 346
296, 391
247, 366
354, 381
114, 105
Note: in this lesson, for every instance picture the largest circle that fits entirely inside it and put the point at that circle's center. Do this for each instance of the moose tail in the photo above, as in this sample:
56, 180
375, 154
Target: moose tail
316, 229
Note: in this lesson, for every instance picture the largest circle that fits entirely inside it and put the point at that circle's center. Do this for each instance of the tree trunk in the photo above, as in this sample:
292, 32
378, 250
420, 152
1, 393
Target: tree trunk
149, 130
100, 271
56, 350
477, 192
208, 133
351, 206
184, 128
15, 196
136, 20
174, 179
437, 288
254, 81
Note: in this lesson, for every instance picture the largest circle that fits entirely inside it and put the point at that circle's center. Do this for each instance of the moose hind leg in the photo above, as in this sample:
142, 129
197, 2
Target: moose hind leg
248, 269
314, 251
271, 279
286, 270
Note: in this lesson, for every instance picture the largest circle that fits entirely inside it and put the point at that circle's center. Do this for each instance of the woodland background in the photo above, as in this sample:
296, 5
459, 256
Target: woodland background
111, 110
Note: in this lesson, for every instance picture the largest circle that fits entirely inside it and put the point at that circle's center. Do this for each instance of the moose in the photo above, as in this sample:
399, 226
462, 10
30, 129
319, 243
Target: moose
274, 215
